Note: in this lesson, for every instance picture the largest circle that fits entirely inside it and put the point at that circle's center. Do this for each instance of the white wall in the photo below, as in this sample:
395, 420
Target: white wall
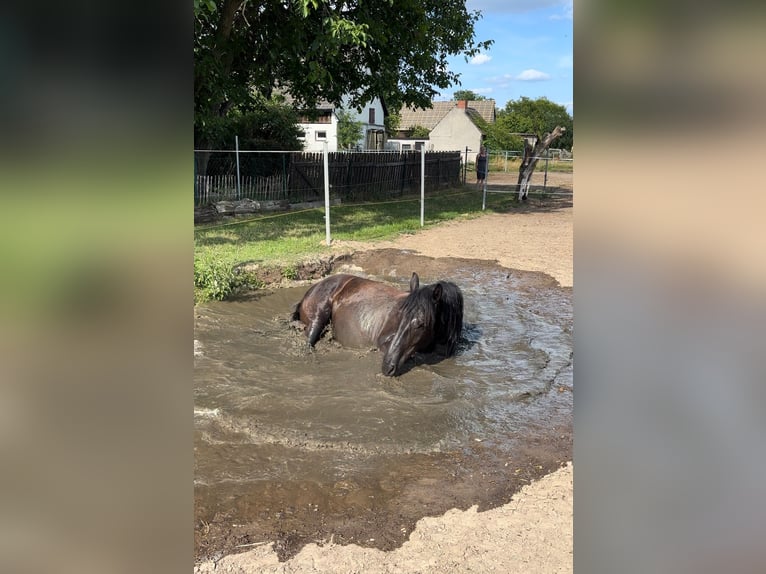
455, 132
312, 143
364, 117
311, 139
401, 144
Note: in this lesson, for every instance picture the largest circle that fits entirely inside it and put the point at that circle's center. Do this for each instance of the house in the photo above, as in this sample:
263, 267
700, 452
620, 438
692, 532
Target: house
453, 125
322, 125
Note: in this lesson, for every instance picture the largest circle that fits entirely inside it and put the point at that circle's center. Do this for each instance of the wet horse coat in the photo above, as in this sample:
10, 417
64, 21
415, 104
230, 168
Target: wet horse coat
370, 313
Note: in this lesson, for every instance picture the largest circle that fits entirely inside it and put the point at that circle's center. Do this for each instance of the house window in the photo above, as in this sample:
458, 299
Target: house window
321, 135
322, 117
406, 147
372, 116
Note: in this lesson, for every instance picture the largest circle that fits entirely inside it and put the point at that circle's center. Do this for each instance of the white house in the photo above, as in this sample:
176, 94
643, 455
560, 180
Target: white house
323, 126
320, 127
372, 117
453, 125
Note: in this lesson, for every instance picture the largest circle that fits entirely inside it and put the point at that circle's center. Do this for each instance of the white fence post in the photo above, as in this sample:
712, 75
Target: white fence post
484, 192
326, 193
422, 184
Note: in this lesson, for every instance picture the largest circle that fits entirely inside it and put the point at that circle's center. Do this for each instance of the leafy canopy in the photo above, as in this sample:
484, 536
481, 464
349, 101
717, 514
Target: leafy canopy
539, 116
467, 95
349, 130
418, 131
324, 49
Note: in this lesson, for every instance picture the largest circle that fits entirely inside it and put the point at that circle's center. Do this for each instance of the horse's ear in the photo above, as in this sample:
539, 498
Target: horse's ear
414, 282
437, 294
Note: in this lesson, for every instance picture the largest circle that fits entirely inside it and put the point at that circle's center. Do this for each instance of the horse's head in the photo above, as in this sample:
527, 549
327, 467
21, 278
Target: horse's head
416, 328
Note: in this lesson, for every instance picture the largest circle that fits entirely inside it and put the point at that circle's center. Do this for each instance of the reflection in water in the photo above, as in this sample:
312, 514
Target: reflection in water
268, 409
257, 384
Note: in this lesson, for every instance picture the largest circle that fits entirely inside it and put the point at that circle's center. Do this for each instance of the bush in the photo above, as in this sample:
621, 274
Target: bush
213, 280
216, 280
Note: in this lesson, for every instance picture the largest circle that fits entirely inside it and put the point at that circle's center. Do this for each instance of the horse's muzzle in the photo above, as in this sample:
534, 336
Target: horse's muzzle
389, 370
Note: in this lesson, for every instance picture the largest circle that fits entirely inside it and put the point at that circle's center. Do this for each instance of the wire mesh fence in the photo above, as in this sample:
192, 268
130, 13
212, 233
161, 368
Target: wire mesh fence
298, 177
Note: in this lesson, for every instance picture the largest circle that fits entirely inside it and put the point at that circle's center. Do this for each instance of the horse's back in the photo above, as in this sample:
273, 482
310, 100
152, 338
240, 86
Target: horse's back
361, 311
357, 307
318, 296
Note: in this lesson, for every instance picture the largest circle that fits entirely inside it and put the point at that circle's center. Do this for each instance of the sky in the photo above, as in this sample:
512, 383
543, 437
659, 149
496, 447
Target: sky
532, 54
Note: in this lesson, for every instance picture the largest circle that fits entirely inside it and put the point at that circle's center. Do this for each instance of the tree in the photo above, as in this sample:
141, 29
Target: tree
418, 132
349, 130
537, 117
323, 49
531, 155
392, 122
467, 95
500, 139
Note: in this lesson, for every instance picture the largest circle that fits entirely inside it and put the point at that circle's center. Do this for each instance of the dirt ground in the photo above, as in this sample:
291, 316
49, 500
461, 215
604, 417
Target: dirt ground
530, 534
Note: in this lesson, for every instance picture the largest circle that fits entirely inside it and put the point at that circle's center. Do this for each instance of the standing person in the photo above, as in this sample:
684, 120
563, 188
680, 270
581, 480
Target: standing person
481, 166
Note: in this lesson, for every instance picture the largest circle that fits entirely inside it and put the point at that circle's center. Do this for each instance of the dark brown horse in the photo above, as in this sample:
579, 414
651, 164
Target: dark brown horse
370, 313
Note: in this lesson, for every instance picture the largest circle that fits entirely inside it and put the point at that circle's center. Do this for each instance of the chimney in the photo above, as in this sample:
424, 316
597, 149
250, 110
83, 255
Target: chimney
462, 104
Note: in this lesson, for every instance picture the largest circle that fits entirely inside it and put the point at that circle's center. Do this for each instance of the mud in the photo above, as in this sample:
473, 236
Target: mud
296, 448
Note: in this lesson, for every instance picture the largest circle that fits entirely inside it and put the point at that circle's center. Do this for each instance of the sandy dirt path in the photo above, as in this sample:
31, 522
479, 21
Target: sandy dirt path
533, 532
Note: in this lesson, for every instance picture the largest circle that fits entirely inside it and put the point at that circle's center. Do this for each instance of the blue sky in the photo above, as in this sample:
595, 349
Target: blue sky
532, 54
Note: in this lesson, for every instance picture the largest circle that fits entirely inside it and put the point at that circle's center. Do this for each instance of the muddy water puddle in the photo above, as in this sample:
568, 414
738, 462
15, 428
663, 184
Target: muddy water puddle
295, 446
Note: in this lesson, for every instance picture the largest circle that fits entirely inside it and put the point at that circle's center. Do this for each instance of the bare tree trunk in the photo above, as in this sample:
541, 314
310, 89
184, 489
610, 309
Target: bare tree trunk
528, 164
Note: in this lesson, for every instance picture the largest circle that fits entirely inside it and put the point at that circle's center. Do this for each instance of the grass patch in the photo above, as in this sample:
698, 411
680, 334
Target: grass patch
284, 240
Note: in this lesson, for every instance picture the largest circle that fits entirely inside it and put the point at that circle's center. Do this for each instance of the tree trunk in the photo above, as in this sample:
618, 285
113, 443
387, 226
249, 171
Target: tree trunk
528, 164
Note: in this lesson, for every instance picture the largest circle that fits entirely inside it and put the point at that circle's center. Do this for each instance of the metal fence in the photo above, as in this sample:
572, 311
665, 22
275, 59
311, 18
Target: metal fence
298, 177
508, 160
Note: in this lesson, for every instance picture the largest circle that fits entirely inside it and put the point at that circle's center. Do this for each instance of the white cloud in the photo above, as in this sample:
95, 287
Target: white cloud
480, 59
533, 75
483, 90
567, 12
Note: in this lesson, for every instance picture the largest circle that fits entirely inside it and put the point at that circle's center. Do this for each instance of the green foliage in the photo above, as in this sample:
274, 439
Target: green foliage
216, 279
498, 137
418, 132
321, 49
213, 279
290, 272
467, 95
266, 124
538, 116
349, 130
392, 122
283, 242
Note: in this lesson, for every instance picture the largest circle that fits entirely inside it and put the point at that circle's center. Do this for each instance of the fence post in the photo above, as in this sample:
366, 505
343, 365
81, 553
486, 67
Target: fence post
236, 151
284, 180
422, 184
486, 177
326, 193
465, 165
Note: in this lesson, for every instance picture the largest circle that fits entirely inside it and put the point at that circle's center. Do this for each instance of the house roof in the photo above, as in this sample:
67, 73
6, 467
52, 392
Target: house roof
321, 104
429, 118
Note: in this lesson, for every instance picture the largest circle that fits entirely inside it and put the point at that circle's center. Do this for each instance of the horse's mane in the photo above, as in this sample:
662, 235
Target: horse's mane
420, 299
445, 315
450, 310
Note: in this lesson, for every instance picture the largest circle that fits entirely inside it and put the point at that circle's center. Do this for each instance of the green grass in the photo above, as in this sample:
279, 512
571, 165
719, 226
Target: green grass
499, 164
283, 240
